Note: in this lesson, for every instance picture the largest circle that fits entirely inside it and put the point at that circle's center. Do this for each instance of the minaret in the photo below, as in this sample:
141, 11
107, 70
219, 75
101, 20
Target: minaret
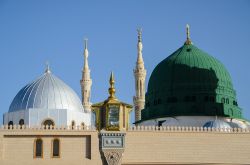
86, 81
140, 75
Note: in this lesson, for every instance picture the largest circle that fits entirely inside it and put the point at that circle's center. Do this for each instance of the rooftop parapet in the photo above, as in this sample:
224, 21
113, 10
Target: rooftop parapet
131, 129
47, 128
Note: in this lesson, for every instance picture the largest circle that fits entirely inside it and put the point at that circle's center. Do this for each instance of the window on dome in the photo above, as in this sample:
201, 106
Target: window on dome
38, 148
235, 103
48, 123
73, 124
10, 124
21, 122
83, 125
56, 148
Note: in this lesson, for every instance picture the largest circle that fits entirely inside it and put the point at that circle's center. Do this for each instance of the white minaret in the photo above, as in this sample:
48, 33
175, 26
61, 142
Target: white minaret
86, 81
140, 75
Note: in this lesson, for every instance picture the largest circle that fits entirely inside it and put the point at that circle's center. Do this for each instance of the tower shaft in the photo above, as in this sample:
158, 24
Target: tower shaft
86, 82
140, 75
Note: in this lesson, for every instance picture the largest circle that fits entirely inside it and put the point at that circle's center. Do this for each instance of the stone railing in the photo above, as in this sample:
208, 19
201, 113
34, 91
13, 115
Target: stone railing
188, 129
48, 128
130, 129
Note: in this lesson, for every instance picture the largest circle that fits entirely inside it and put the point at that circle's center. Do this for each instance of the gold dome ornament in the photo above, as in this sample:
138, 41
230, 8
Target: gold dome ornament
112, 114
188, 41
112, 86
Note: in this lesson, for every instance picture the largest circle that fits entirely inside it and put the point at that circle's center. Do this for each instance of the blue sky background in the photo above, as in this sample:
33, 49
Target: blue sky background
33, 32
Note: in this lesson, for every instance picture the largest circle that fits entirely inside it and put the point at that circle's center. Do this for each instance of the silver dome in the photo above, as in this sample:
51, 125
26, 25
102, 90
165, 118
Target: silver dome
217, 123
46, 92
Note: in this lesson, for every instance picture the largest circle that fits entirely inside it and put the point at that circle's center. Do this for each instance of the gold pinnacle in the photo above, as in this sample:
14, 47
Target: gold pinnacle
112, 87
188, 41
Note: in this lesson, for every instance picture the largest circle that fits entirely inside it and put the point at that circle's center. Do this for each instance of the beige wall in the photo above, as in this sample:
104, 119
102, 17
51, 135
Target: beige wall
142, 147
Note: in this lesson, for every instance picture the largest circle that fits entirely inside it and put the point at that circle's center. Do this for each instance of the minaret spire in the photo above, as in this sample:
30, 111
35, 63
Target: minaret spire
86, 81
140, 75
139, 46
86, 54
188, 41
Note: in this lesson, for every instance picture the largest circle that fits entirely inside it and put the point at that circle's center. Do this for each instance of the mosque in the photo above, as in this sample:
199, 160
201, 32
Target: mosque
188, 115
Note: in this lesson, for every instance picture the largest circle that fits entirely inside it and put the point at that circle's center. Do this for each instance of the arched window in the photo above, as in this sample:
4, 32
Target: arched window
73, 124
21, 122
56, 148
82, 124
10, 124
227, 101
48, 123
38, 148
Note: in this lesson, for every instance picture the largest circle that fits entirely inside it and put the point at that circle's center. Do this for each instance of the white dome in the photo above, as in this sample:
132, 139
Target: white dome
46, 92
217, 124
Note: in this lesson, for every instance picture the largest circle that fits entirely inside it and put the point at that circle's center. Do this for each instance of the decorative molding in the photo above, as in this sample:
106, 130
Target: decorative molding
47, 127
113, 156
188, 129
112, 146
122, 134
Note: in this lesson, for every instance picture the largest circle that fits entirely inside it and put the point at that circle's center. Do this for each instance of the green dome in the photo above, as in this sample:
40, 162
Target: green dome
190, 82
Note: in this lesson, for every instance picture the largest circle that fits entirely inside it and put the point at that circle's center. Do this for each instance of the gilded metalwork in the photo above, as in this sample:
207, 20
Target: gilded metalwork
109, 114
188, 41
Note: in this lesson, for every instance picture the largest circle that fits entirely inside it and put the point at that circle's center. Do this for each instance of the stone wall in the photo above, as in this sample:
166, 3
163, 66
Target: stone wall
143, 145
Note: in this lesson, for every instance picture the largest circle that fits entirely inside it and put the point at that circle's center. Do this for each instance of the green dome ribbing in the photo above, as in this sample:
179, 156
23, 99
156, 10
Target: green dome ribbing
190, 82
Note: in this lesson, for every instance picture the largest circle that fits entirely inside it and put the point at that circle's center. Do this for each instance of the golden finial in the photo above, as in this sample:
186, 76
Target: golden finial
112, 86
139, 31
188, 41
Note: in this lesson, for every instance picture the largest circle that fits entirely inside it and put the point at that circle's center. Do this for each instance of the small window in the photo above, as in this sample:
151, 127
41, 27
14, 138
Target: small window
21, 122
82, 124
48, 123
56, 148
73, 124
227, 101
38, 148
223, 100
10, 124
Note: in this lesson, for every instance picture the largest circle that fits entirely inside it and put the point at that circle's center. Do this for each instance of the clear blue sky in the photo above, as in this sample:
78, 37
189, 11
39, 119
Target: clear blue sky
33, 32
